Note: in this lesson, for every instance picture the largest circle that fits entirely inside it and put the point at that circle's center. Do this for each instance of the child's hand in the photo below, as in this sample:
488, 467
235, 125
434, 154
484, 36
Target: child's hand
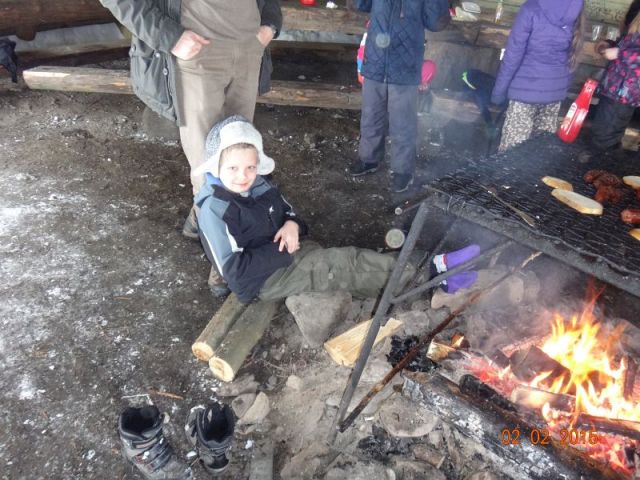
611, 53
288, 236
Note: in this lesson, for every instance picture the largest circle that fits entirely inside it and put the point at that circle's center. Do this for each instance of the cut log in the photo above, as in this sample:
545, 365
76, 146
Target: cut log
243, 336
529, 363
535, 398
624, 428
75, 54
629, 377
26, 17
217, 328
78, 79
344, 349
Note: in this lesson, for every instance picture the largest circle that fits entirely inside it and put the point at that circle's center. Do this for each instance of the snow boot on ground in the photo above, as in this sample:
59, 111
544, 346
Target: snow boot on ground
210, 431
144, 445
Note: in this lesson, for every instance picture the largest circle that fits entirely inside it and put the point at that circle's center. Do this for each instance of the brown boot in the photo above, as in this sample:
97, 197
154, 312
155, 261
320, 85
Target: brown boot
216, 283
190, 227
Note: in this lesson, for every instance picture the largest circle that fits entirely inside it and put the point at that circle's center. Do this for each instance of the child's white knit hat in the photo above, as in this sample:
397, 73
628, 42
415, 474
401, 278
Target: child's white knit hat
231, 131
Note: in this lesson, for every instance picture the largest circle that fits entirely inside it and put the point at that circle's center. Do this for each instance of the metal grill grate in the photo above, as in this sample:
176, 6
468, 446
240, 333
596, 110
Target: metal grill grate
600, 245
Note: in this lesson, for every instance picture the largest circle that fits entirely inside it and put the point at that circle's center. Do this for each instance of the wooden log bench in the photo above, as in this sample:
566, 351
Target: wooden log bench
231, 334
446, 104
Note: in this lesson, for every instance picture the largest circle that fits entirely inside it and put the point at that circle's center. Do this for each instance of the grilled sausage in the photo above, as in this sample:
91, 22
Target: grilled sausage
607, 180
609, 194
631, 216
591, 175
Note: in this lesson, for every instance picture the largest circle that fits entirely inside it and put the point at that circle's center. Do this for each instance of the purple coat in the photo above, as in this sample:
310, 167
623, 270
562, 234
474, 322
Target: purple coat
535, 68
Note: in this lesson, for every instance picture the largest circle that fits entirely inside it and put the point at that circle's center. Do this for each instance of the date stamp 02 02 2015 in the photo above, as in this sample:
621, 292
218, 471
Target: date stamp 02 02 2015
573, 437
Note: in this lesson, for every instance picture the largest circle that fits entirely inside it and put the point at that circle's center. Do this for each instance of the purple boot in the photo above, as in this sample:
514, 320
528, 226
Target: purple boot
447, 261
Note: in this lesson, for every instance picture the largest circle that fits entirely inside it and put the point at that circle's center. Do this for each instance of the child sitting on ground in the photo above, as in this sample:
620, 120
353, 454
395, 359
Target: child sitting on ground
251, 234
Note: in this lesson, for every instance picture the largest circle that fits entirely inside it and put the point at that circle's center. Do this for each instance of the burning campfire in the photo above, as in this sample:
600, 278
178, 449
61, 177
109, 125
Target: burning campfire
578, 380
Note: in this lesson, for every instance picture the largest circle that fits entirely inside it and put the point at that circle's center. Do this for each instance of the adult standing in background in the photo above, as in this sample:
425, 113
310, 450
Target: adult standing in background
392, 67
537, 67
196, 62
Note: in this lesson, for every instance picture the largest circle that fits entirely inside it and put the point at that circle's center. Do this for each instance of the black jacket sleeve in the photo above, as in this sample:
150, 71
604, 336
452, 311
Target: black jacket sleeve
271, 14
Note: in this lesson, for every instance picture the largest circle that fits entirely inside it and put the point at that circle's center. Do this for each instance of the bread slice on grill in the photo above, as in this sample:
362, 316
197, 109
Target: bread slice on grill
635, 233
555, 182
578, 202
632, 180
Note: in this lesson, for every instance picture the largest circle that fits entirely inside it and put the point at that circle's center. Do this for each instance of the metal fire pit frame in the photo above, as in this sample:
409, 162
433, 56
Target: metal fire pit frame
388, 298
600, 246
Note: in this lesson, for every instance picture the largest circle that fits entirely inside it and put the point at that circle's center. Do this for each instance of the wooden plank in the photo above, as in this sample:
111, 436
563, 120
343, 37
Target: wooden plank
344, 349
26, 17
320, 19
76, 53
214, 333
78, 79
243, 336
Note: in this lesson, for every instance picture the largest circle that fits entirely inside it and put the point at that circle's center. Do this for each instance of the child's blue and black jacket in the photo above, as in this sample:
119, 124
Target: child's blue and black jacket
237, 233
394, 50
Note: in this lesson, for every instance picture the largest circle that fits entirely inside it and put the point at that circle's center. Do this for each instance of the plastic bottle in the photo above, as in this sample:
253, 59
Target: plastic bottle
499, 8
572, 123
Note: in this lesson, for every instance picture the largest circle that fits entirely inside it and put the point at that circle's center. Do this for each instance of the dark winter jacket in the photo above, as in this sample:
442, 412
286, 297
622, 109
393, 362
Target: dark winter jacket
155, 26
622, 80
536, 68
394, 50
237, 233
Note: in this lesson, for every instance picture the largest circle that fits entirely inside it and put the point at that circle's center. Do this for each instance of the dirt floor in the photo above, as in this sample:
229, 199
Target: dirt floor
101, 297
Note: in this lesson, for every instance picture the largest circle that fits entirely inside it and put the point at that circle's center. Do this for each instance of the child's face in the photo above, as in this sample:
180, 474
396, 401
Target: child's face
238, 169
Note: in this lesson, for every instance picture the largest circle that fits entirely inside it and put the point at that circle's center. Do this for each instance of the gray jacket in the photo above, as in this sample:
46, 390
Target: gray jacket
155, 26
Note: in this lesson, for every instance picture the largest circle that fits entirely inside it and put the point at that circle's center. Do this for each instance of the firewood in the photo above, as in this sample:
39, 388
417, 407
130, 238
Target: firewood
536, 398
219, 325
629, 377
528, 364
616, 426
245, 333
344, 349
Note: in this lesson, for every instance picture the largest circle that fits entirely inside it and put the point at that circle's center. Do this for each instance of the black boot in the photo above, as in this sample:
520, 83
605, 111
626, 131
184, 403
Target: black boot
144, 445
210, 431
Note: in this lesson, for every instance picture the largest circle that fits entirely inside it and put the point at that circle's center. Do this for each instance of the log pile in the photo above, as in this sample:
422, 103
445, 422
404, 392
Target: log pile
231, 334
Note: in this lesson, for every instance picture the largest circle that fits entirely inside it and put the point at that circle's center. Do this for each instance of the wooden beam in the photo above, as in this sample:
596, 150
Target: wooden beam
78, 79
74, 54
26, 17
320, 19
243, 336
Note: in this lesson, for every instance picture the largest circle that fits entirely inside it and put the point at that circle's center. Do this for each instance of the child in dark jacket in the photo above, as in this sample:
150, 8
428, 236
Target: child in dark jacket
392, 64
620, 89
251, 234
536, 71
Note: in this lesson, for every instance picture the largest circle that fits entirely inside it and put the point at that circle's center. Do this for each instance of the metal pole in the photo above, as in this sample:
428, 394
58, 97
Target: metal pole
381, 311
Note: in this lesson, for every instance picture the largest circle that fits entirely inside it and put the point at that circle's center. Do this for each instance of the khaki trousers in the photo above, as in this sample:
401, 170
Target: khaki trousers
221, 80
362, 272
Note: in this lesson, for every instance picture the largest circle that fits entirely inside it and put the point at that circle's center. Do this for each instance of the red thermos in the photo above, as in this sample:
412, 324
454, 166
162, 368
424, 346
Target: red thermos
572, 123
308, 3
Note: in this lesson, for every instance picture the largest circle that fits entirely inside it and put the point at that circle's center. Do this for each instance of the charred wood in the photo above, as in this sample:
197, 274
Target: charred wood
471, 417
629, 377
616, 426
532, 362
536, 399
